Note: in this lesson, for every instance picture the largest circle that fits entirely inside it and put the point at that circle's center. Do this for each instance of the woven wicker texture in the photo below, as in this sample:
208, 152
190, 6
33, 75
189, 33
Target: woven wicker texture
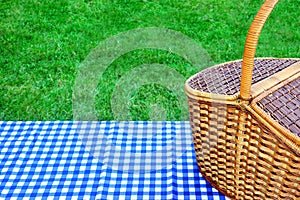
240, 156
225, 78
240, 150
283, 105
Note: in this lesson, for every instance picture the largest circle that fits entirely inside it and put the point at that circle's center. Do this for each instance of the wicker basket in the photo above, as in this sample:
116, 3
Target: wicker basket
247, 133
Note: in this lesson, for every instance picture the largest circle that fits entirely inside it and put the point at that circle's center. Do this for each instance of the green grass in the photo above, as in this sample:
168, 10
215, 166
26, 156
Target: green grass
42, 44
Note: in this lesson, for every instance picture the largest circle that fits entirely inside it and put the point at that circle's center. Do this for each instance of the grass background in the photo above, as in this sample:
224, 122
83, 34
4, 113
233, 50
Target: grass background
42, 44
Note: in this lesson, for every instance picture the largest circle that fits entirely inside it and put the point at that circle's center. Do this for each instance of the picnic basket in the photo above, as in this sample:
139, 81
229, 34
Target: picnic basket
245, 121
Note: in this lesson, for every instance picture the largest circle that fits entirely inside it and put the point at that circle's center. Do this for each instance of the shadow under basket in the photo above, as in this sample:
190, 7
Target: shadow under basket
245, 120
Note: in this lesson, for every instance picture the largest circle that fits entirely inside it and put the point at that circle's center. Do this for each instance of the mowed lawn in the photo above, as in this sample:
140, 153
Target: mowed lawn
43, 43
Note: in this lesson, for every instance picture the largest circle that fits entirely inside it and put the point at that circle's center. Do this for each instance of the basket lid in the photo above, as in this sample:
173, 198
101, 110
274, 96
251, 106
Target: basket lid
282, 103
224, 79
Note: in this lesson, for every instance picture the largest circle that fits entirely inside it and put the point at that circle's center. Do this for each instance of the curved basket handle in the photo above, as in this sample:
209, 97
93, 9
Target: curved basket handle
250, 46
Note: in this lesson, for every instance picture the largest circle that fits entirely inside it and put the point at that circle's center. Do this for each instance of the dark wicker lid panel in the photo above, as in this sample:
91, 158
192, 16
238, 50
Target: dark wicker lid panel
225, 79
283, 105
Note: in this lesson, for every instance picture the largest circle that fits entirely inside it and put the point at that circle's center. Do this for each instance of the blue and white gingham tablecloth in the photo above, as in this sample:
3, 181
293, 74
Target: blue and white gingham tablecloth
100, 160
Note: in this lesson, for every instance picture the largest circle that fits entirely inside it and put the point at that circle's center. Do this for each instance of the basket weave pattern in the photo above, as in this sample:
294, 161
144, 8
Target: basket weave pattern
225, 78
245, 121
283, 105
240, 156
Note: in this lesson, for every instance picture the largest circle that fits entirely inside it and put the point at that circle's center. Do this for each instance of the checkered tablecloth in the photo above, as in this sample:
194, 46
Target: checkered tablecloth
100, 160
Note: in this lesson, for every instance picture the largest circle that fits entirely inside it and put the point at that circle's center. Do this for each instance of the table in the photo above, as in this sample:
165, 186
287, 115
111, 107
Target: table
100, 160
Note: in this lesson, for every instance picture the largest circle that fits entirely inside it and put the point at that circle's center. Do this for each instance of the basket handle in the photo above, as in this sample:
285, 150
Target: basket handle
250, 46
